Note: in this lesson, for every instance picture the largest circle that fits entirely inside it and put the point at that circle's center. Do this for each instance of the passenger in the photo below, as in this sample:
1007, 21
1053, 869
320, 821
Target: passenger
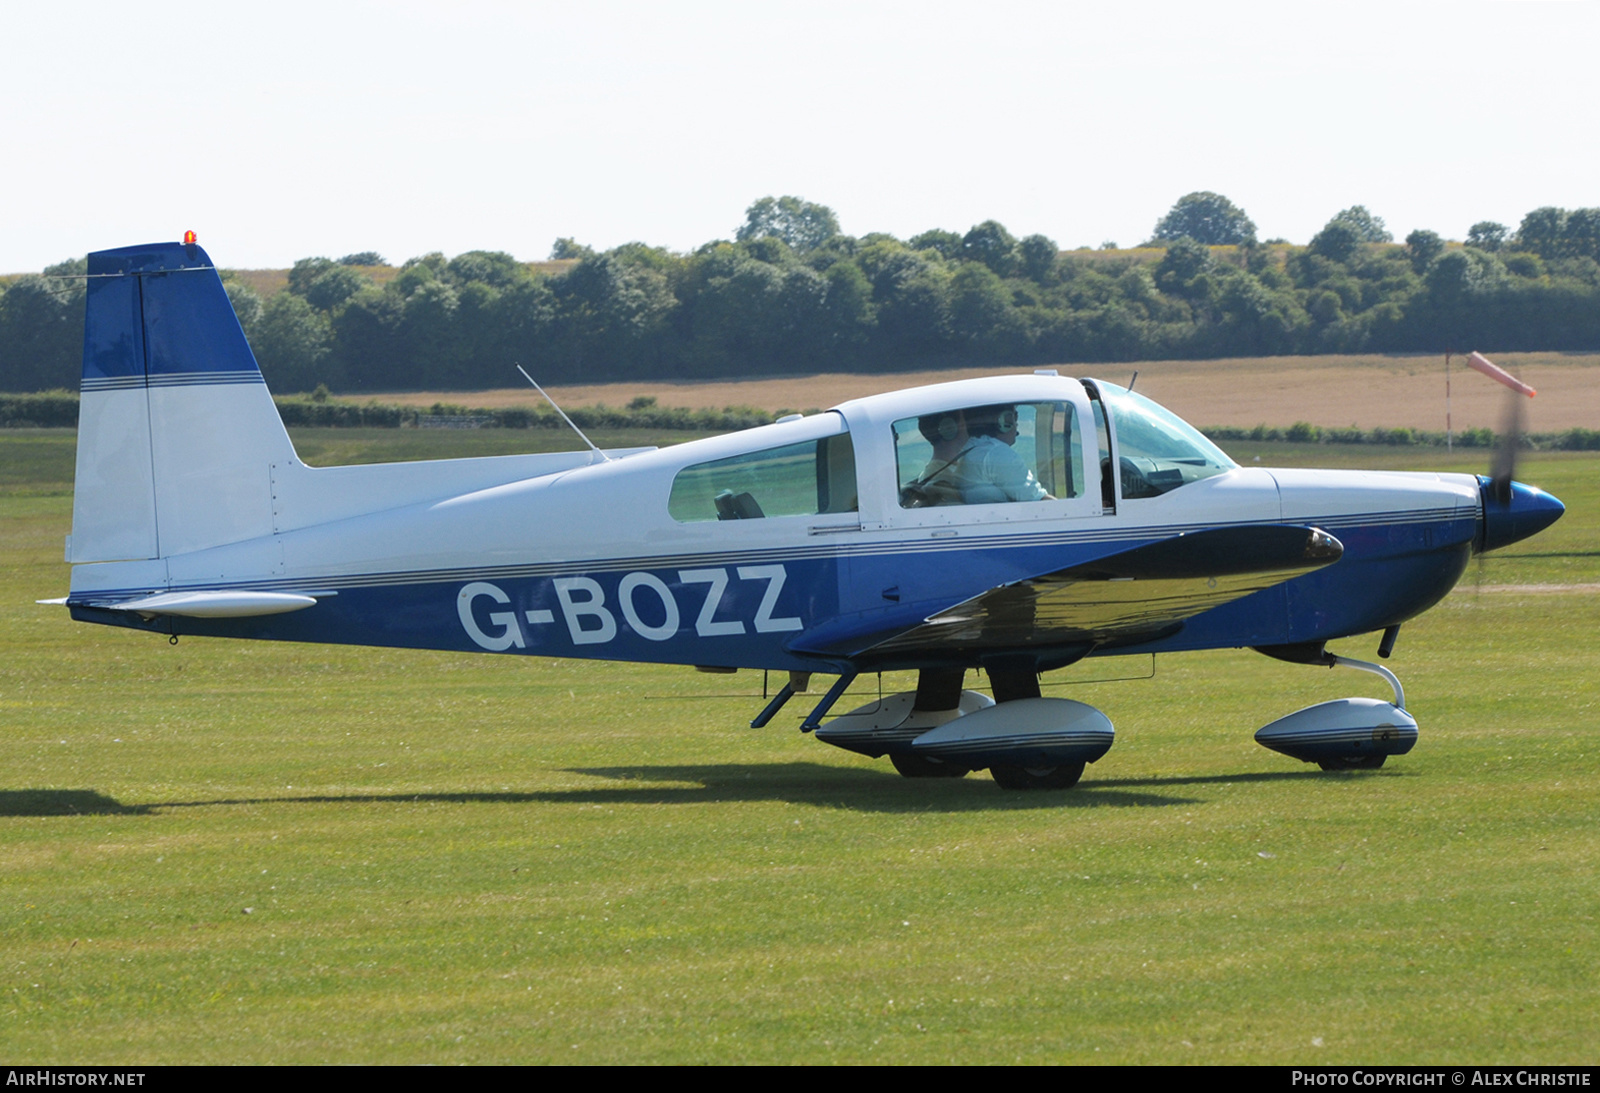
990, 470
940, 481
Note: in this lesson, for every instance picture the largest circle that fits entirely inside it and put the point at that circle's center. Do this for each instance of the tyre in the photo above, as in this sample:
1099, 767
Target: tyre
912, 765
1064, 776
1353, 762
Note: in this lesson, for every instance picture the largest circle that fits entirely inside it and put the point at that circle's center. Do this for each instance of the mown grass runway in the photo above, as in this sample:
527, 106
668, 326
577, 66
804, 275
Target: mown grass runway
232, 852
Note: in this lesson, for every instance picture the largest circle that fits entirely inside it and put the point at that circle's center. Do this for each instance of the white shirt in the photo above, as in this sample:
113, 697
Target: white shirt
989, 471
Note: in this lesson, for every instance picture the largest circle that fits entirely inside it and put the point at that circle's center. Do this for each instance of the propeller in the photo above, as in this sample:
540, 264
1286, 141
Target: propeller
1503, 467
1502, 471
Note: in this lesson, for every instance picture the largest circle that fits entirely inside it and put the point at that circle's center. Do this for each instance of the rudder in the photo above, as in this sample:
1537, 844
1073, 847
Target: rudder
177, 433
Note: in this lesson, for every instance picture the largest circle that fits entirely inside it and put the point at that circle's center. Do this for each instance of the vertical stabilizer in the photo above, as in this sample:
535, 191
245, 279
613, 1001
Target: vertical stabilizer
176, 430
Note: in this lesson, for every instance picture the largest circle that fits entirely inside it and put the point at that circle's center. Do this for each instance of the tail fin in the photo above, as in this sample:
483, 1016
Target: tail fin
176, 431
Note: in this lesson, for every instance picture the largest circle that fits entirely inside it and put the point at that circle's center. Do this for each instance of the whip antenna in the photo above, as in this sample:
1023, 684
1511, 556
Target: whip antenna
604, 458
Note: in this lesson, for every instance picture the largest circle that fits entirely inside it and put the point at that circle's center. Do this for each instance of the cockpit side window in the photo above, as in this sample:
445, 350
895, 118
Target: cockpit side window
805, 479
976, 455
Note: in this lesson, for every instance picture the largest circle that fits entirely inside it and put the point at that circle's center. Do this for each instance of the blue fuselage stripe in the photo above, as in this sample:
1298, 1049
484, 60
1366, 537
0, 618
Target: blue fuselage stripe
656, 609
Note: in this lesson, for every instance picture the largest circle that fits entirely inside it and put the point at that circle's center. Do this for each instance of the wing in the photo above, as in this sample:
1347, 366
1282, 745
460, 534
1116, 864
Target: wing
1138, 594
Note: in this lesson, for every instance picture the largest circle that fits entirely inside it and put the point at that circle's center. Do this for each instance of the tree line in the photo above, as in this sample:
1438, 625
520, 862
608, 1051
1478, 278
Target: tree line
792, 294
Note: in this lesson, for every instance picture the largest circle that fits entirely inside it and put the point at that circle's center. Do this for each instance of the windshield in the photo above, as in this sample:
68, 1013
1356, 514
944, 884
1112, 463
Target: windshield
1158, 451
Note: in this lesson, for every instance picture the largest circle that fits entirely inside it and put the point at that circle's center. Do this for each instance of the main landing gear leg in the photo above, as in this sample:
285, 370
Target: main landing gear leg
1009, 685
937, 689
1368, 762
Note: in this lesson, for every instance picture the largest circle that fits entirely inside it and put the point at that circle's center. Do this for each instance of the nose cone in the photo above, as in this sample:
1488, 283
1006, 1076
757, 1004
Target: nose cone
1529, 511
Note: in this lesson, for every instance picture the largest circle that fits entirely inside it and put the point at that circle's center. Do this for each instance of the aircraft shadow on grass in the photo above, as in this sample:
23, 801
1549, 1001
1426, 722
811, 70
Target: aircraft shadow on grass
65, 802
796, 783
870, 790
1552, 554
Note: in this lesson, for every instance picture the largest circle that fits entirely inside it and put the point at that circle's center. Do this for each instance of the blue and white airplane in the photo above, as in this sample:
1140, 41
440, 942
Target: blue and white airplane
1012, 525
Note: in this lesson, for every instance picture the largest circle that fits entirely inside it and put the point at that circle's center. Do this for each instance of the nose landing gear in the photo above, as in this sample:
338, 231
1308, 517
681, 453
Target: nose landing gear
1347, 733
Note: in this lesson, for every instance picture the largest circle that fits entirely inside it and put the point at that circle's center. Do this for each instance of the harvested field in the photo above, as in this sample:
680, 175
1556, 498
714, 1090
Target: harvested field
1331, 391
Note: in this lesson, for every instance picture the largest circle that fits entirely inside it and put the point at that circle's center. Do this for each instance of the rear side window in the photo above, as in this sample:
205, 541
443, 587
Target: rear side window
810, 478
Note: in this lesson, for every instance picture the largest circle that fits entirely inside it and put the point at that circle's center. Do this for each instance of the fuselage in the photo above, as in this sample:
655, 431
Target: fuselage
625, 560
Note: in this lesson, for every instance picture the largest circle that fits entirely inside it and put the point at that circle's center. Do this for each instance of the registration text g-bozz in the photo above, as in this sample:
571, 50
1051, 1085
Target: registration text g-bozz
648, 605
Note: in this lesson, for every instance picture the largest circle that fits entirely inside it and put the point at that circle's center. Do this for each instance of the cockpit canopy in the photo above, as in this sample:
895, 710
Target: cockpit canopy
1041, 447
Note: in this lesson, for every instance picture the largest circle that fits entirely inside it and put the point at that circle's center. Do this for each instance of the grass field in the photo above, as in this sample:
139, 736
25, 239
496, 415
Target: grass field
232, 852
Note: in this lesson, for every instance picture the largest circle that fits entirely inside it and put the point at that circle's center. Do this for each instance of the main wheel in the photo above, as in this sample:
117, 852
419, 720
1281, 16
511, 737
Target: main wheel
912, 765
1064, 776
1353, 762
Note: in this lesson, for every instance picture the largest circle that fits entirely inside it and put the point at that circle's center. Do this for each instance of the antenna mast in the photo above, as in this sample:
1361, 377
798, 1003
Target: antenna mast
604, 458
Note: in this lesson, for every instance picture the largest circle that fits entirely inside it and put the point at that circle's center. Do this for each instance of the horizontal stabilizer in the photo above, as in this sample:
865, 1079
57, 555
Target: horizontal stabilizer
216, 604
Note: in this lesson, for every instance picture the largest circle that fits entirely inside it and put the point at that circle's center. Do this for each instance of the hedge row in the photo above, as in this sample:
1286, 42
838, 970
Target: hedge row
59, 409
643, 413
1573, 440
44, 410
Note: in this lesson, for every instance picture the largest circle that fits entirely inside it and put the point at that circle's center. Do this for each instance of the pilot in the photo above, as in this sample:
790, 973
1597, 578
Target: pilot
990, 470
940, 482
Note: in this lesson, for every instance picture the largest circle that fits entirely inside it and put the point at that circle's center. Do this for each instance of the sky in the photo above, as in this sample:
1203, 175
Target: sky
285, 130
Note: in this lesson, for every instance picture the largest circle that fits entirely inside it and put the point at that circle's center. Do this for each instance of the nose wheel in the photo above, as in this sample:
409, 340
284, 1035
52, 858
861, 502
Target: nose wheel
1353, 762
1347, 733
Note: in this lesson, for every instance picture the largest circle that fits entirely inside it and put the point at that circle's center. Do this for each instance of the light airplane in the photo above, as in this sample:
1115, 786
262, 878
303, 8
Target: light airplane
1014, 525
